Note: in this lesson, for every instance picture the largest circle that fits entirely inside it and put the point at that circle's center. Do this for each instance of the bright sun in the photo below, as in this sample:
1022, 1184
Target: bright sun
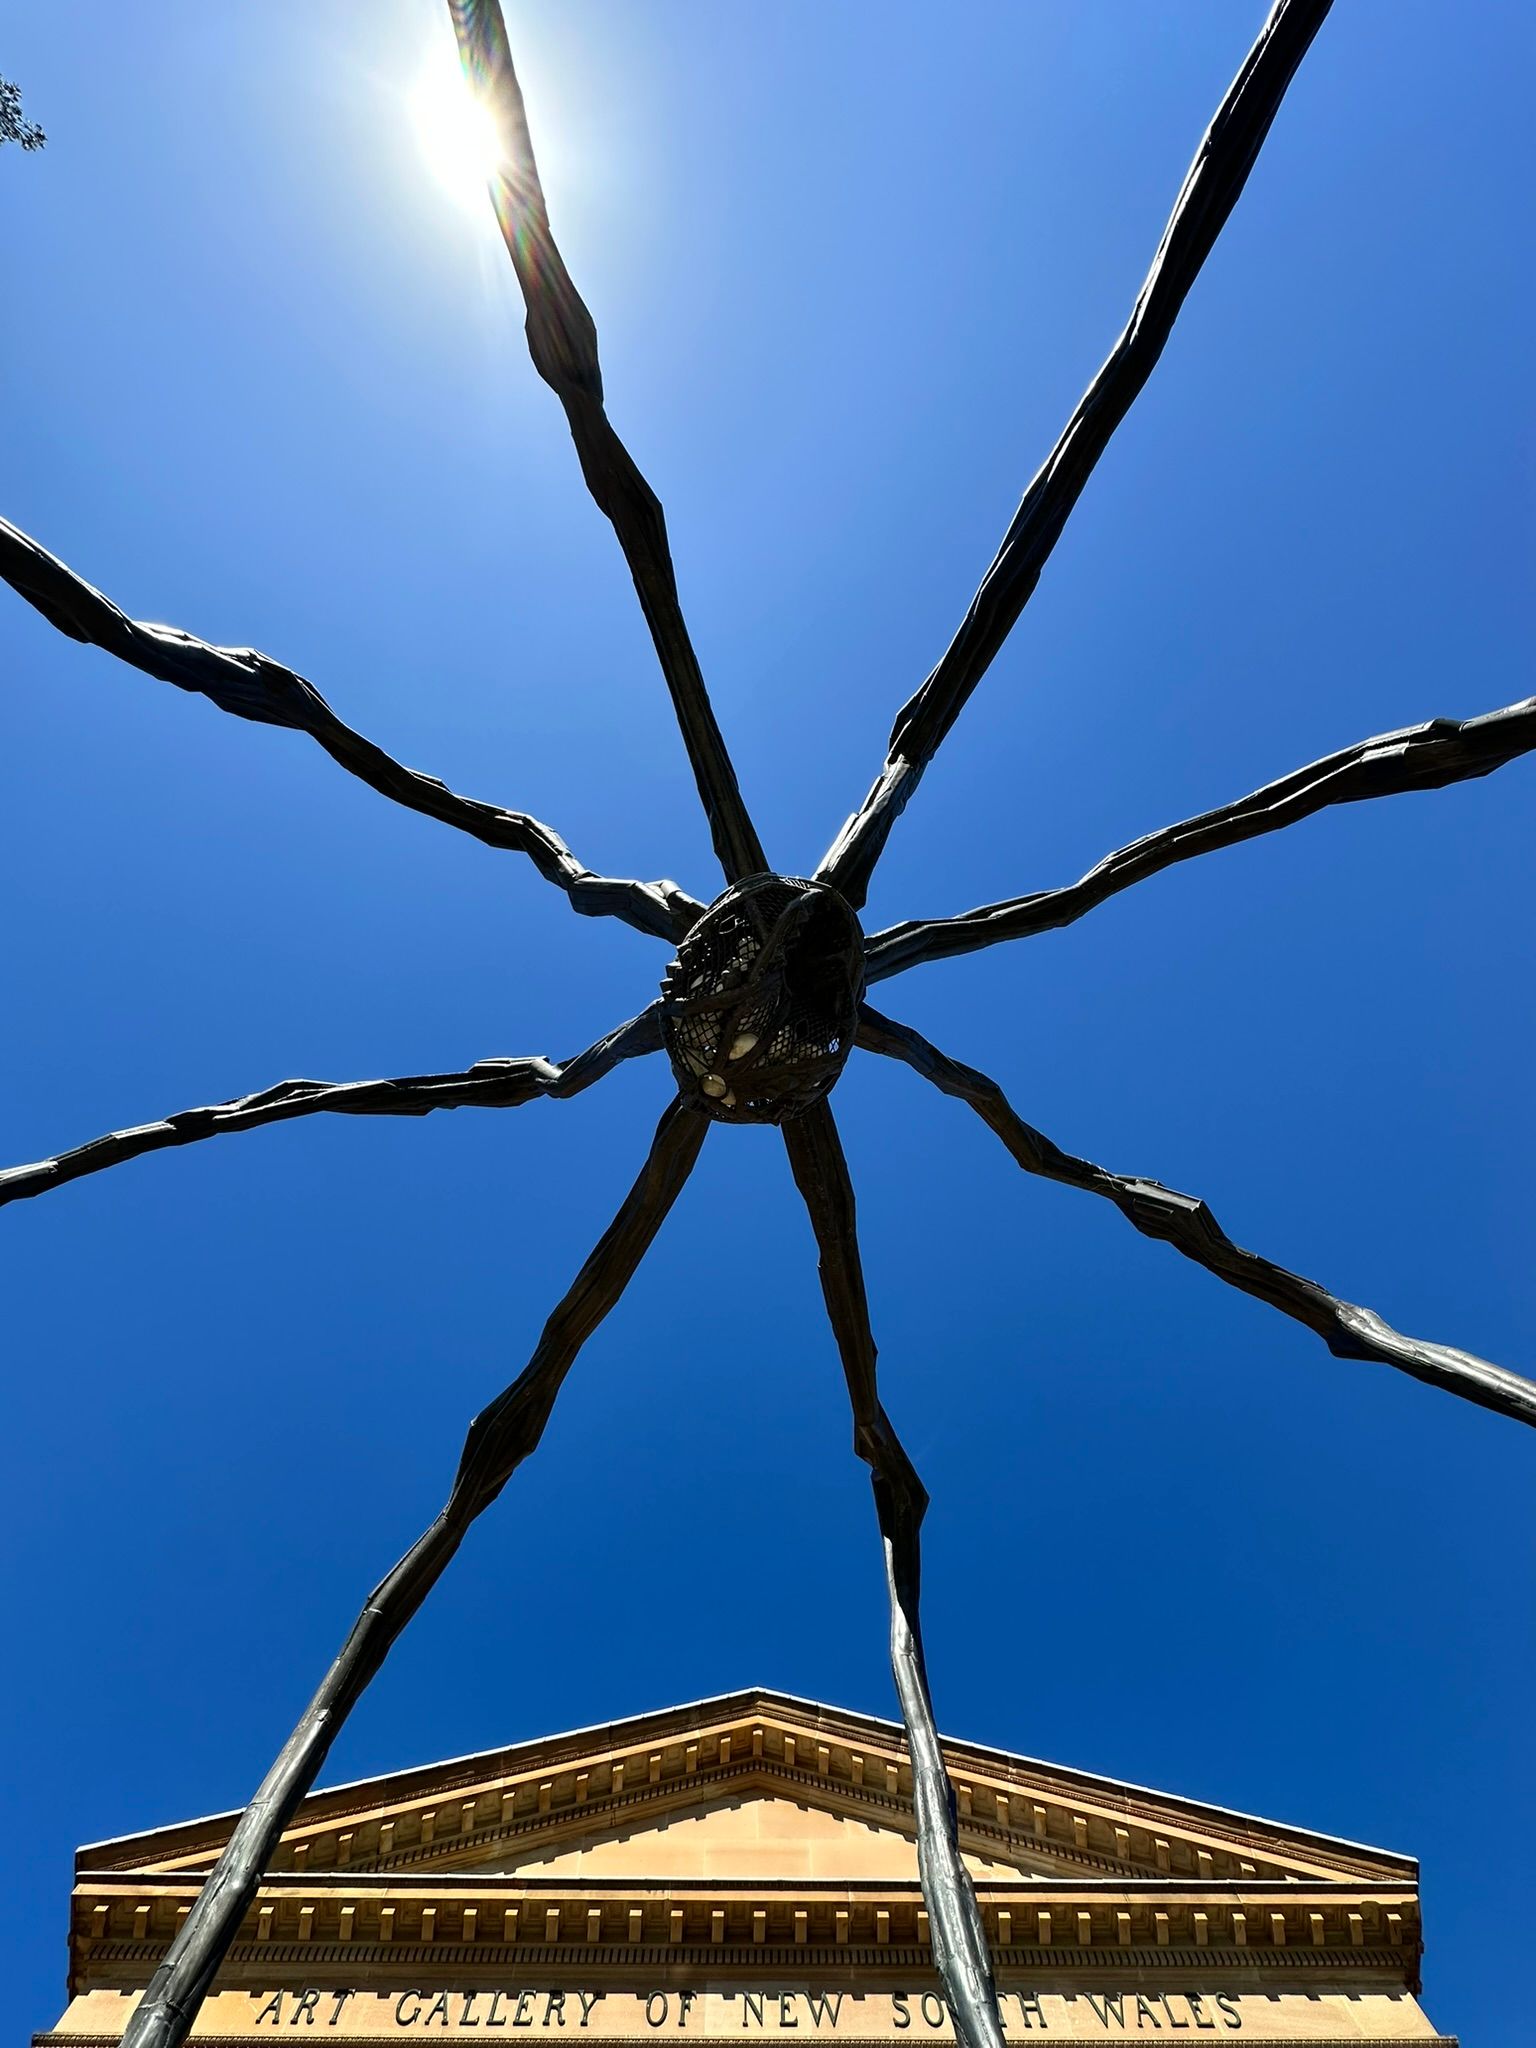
457, 135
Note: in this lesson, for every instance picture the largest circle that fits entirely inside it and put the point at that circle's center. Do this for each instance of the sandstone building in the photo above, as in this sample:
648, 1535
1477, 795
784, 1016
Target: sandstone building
744, 1867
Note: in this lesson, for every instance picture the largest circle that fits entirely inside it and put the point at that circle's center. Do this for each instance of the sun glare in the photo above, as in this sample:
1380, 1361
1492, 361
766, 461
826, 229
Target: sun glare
457, 136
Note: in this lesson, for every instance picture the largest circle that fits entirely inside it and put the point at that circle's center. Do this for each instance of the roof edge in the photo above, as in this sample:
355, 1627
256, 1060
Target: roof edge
716, 1706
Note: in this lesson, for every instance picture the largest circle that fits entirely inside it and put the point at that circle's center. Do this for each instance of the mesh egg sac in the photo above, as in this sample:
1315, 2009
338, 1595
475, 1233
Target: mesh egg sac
760, 1004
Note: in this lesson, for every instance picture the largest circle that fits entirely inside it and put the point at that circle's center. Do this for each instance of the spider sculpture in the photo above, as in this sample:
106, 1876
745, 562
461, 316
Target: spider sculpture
764, 1000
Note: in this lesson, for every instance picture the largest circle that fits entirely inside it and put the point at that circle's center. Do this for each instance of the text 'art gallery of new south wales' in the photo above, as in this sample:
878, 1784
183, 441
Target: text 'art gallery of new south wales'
745, 1869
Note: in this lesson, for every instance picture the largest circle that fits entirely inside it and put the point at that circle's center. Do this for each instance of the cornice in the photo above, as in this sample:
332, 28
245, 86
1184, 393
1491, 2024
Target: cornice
459, 1813
122, 1924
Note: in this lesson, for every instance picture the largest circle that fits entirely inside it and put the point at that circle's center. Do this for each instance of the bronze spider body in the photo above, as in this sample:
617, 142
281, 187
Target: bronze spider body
764, 1000
760, 1007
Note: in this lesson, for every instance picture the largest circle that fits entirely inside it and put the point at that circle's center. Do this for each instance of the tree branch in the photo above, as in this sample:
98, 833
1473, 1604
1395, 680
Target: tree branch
1188, 1225
562, 339
488, 1084
959, 1942
499, 1439
1210, 190
1418, 757
248, 684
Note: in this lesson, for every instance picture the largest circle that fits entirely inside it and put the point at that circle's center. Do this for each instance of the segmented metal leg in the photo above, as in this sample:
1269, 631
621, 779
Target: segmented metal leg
1188, 1225
959, 1942
499, 1439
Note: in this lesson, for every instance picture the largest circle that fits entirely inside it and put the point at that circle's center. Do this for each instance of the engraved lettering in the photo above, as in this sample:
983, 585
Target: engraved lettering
341, 1998
522, 2012
588, 2000
1029, 2006
685, 2001
1109, 2005
932, 2009
1205, 2026
752, 2002
404, 2018
1229, 2009
1179, 2026
437, 2010
656, 2009
493, 2018
274, 2005
827, 2007
469, 1998
554, 2007
900, 2013
305, 2009
1145, 2009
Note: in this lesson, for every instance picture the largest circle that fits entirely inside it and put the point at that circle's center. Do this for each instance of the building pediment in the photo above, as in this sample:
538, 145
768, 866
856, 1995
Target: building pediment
747, 1865
598, 1793
751, 1833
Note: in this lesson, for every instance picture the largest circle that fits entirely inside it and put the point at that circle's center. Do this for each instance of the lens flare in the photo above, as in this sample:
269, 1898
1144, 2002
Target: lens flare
457, 135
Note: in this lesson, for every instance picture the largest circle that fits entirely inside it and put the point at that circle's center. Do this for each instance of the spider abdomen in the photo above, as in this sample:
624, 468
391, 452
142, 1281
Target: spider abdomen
760, 1004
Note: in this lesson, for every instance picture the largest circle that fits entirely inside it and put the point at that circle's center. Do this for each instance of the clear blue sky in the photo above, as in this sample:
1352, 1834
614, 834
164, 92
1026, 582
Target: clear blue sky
851, 268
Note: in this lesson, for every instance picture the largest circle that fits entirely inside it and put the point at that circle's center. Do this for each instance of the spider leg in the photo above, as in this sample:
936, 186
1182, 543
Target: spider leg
1188, 1225
1419, 757
959, 1942
562, 339
489, 1084
251, 685
1210, 190
499, 1439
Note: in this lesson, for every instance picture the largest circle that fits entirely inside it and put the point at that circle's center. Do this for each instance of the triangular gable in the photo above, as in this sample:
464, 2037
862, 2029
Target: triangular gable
753, 1833
756, 1778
